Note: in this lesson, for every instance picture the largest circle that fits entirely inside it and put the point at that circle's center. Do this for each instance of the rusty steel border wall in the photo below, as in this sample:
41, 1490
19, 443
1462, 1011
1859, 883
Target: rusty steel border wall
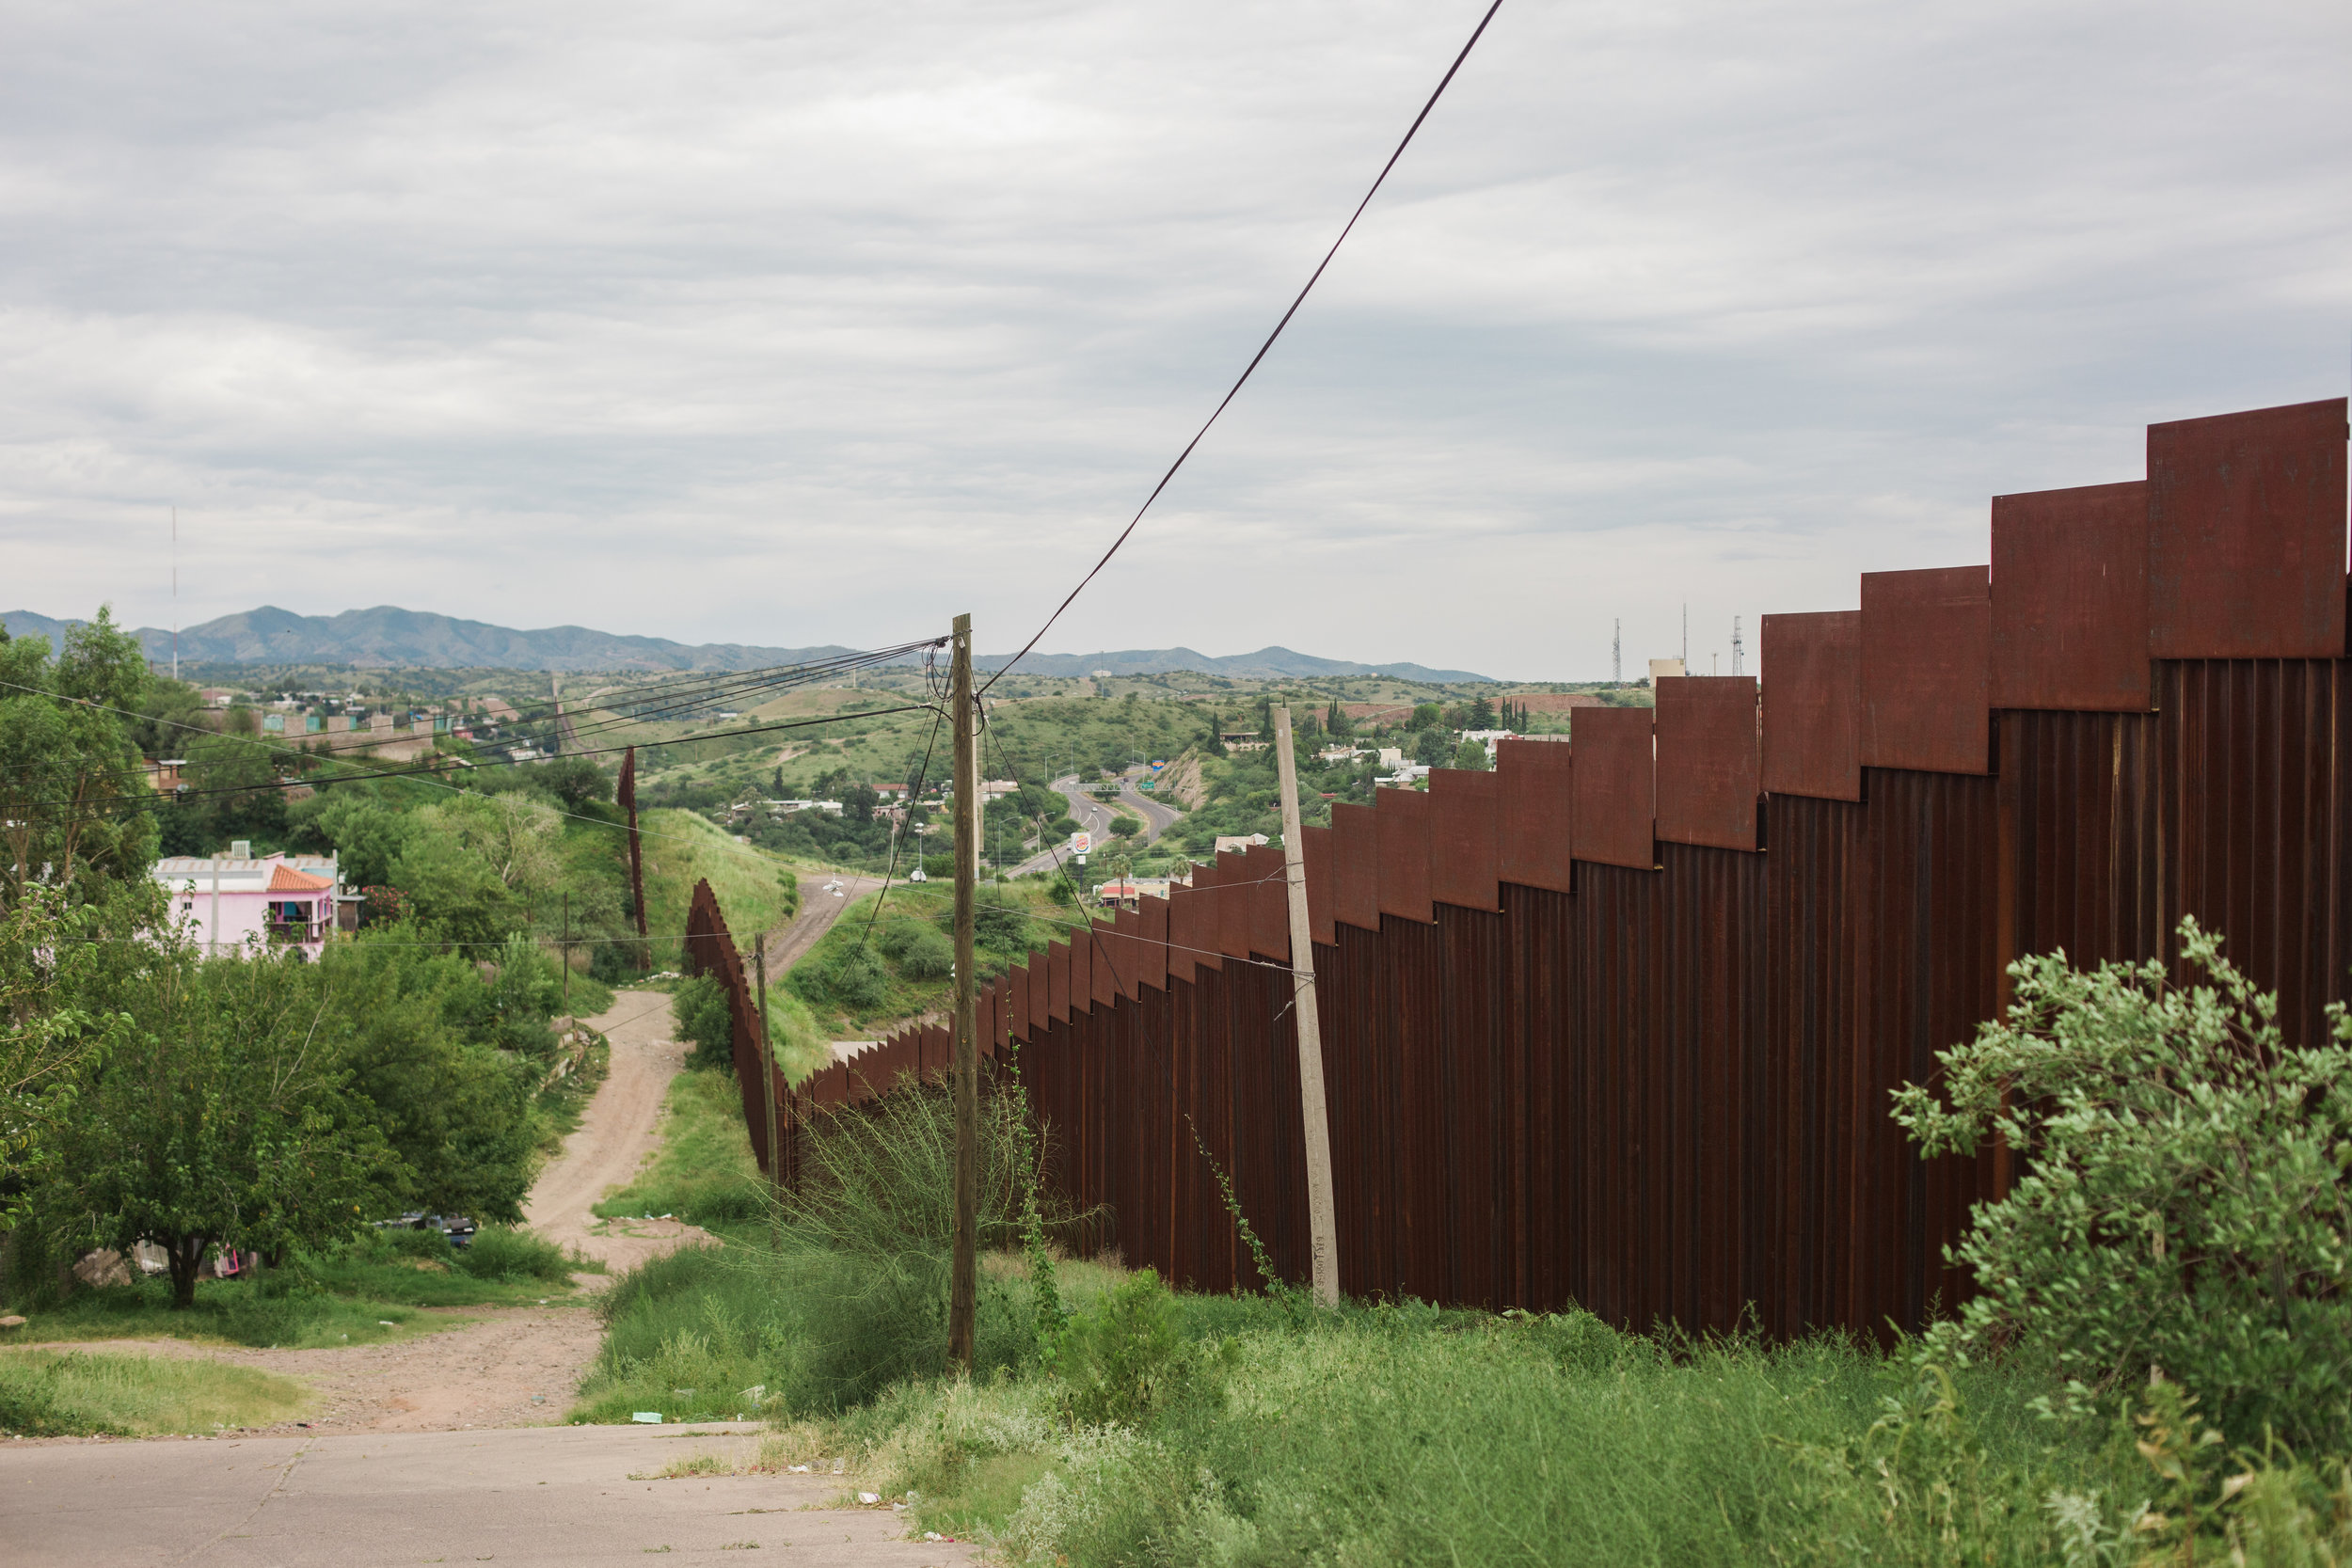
1617, 1023
709, 949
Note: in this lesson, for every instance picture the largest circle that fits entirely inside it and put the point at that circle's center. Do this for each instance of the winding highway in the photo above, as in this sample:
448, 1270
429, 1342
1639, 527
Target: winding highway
1095, 818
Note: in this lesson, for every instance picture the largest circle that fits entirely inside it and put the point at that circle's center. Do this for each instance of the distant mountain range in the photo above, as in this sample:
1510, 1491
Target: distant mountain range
390, 638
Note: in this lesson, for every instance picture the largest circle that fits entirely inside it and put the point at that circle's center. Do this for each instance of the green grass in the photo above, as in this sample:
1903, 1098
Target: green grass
366, 1292
680, 848
704, 1172
46, 1393
241, 1313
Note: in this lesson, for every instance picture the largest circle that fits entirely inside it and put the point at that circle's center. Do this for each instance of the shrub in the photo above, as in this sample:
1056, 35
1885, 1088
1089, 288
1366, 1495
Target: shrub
704, 1018
926, 955
2182, 1203
1127, 1359
504, 1252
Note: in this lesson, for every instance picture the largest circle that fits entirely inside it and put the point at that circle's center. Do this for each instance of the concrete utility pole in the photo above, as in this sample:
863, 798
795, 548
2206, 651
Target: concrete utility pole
963, 1278
1322, 1225
768, 1096
567, 952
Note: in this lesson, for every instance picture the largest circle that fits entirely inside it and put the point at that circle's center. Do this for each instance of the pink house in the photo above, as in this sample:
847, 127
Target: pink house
277, 900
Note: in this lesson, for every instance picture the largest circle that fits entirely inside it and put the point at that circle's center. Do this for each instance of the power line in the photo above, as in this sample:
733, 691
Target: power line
1262, 349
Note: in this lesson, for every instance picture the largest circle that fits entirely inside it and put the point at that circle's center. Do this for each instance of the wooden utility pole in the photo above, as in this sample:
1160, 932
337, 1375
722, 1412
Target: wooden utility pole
768, 1096
963, 1280
1321, 1225
567, 952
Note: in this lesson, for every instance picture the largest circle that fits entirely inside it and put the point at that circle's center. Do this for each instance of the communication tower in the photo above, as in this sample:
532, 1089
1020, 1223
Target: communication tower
1737, 659
1616, 651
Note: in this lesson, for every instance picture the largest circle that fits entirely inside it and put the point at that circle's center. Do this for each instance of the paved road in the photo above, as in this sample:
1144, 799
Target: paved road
545, 1495
1095, 818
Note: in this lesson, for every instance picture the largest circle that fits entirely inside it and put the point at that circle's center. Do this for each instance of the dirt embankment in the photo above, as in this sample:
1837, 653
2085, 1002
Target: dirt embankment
1179, 781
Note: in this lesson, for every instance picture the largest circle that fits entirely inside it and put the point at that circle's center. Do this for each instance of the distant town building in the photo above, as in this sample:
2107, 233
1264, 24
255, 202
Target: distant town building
1238, 841
1129, 893
1660, 669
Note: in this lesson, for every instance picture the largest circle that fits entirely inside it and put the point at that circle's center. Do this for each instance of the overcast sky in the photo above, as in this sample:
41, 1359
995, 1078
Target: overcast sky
789, 324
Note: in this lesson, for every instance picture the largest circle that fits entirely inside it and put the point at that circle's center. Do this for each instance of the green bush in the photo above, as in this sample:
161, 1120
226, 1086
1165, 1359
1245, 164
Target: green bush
2184, 1205
705, 1019
505, 1252
1127, 1359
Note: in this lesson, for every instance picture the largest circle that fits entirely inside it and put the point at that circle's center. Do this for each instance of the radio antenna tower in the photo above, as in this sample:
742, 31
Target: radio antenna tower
1686, 637
1736, 660
1616, 651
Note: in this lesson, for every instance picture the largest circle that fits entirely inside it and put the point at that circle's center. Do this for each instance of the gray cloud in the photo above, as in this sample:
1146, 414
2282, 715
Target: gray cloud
717, 322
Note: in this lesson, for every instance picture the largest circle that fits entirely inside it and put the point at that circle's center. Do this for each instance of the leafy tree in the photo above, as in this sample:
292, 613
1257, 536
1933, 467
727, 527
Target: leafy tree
454, 1112
222, 1119
452, 893
574, 781
2182, 1203
515, 836
1482, 714
366, 834
1432, 748
1426, 716
55, 1021
1335, 720
72, 798
1470, 756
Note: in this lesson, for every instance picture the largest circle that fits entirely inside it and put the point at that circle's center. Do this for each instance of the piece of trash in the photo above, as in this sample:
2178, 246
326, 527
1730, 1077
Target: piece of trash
538, 1398
650, 1418
913, 1495
683, 1393
933, 1535
798, 1469
386, 1322
898, 1508
870, 1497
758, 1390
839, 1465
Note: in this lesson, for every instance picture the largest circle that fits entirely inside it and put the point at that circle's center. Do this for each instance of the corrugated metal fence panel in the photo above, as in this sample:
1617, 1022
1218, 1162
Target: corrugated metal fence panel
1929, 973
2253, 818
1813, 908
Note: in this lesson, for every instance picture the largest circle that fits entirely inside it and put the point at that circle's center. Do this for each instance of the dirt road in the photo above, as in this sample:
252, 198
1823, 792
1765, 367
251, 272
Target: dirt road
819, 908
618, 1133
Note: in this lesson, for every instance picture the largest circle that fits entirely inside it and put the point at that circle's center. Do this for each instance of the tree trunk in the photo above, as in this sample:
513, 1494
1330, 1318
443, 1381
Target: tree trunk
186, 1256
